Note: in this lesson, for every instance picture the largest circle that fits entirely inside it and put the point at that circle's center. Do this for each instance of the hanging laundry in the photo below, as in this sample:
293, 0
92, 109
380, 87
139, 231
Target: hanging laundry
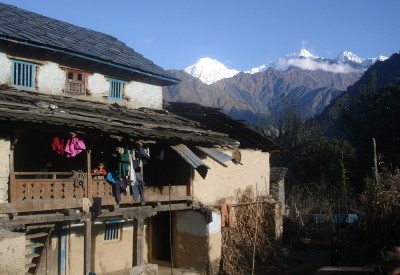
123, 163
144, 152
319, 218
118, 186
96, 207
80, 178
57, 145
141, 154
351, 218
132, 174
137, 189
339, 218
74, 146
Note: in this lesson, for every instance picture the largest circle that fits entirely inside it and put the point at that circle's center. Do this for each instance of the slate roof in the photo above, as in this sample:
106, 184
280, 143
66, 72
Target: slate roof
214, 120
60, 113
37, 30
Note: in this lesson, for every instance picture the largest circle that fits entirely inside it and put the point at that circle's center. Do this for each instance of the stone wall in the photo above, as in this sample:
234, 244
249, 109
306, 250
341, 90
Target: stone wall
4, 168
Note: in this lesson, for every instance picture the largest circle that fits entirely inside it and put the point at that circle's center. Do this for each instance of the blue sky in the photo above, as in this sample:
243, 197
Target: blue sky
240, 34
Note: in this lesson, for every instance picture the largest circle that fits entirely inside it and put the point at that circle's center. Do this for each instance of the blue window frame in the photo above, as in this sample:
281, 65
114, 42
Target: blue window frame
112, 230
23, 74
116, 89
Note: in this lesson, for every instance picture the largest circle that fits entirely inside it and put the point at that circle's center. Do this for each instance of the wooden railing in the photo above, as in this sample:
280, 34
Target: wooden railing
36, 187
45, 186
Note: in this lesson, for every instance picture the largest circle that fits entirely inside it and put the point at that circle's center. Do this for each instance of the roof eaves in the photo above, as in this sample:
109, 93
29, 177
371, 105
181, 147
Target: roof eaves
171, 80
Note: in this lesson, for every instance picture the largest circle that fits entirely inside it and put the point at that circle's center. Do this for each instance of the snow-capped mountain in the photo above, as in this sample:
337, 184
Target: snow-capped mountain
209, 70
347, 56
306, 54
370, 61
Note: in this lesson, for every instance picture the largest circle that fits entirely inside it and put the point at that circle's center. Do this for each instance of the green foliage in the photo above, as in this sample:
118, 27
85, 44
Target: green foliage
373, 197
319, 167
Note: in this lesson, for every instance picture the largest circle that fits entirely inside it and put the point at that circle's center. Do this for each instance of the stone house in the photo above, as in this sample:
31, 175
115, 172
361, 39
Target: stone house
71, 98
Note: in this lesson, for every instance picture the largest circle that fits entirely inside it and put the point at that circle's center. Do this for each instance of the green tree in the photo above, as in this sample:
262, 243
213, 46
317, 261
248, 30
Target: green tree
318, 167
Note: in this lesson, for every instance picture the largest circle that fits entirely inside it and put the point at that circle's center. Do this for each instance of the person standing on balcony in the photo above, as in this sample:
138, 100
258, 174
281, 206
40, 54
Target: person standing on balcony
100, 171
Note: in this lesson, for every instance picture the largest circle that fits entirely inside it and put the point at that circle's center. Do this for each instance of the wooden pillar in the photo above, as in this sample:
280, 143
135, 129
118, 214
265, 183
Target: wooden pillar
89, 174
87, 247
14, 139
12, 176
63, 249
138, 242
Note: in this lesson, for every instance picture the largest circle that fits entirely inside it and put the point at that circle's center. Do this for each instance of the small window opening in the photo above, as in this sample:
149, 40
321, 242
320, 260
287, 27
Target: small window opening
112, 230
23, 74
116, 89
75, 82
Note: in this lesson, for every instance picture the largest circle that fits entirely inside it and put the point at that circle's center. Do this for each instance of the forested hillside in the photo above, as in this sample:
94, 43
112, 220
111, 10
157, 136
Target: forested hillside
251, 96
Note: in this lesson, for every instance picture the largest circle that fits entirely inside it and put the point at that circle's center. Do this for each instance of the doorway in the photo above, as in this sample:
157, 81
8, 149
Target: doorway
161, 237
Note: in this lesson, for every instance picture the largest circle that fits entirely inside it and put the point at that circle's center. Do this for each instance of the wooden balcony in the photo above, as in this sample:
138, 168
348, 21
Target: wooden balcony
44, 191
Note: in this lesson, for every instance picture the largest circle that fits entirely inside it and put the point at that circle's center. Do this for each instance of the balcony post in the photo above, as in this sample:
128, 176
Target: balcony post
14, 139
12, 176
89, 174
138, 241
87, 246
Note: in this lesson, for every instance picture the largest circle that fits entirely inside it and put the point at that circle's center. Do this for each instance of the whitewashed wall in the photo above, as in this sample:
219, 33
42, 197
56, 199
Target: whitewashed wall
221, 183
144, 95
5, 69
50, 79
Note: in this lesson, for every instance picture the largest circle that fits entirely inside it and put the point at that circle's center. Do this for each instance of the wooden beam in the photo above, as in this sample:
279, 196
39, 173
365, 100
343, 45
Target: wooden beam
87, 247
40, 205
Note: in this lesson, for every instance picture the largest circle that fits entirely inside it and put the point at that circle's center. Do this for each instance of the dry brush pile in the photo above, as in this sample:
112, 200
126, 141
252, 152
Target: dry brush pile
239, 239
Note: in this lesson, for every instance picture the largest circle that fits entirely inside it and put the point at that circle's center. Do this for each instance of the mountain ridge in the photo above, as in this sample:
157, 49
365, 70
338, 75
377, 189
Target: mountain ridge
252, 96
210, 70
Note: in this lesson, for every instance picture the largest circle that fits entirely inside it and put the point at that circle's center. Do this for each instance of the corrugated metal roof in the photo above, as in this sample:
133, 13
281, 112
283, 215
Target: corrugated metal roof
188, 156
216, 155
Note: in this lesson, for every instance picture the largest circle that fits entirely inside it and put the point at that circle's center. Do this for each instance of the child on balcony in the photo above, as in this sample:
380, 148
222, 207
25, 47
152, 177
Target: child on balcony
99, 171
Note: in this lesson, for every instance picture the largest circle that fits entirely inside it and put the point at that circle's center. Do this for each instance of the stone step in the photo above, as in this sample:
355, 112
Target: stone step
30, 256
36, 235
33, 245
31, 227
27, 266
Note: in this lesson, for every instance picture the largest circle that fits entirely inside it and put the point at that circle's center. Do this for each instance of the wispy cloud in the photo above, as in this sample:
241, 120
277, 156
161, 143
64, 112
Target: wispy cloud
317, 64
304, 44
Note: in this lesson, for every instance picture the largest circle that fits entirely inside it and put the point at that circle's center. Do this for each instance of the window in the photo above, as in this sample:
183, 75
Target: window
112, 230
75, 82
116, 89
23, 74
